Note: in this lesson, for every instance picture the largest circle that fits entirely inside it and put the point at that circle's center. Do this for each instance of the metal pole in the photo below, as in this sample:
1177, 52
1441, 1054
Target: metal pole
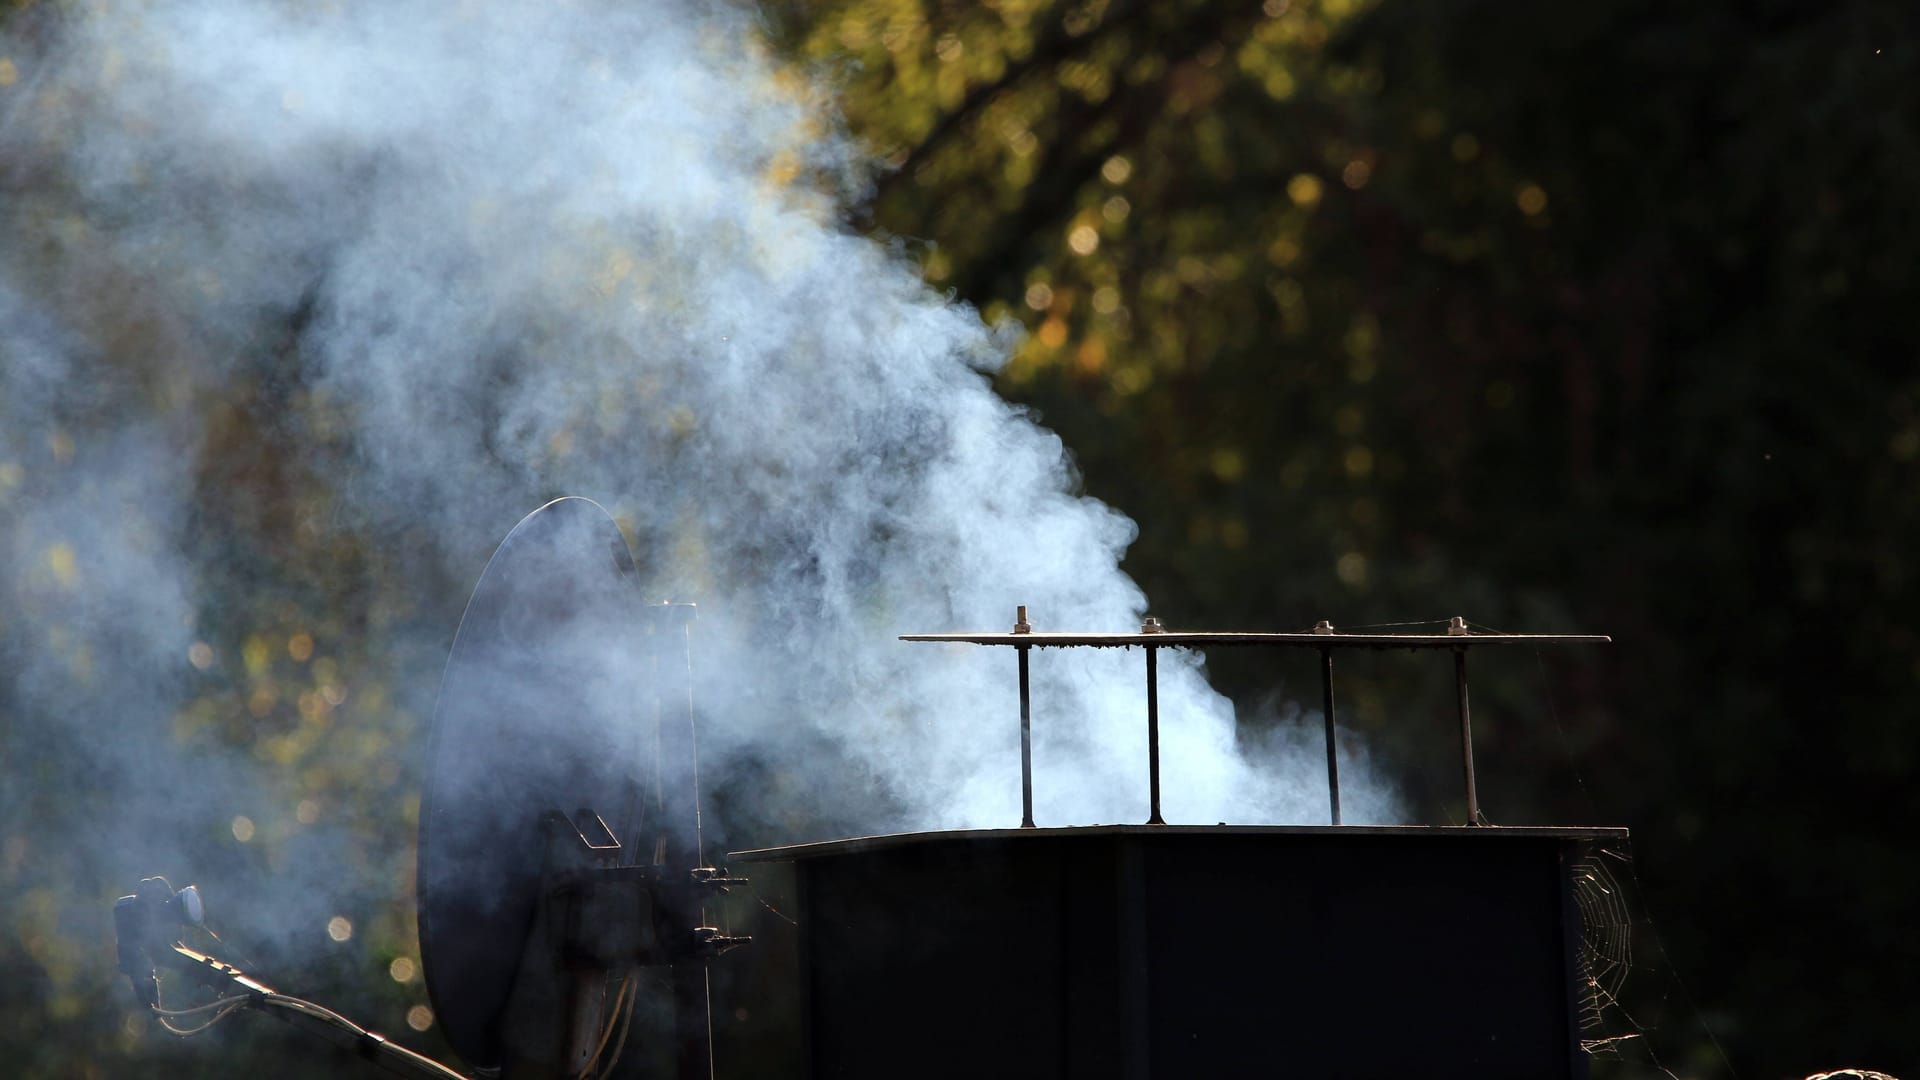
1153, 735
1021, 626
1333, 763
692, 1019
1466, 735
1026, 743
685, 614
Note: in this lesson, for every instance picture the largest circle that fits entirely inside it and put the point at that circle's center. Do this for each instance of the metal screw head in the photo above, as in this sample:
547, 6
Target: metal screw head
1458, 627
1150, 625
1323, 627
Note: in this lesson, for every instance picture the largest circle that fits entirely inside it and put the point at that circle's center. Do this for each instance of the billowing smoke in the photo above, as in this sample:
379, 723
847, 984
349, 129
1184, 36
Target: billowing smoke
458, 258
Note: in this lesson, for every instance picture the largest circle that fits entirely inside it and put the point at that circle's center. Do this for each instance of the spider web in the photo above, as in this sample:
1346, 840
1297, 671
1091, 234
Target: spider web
1622, 960
1606, 949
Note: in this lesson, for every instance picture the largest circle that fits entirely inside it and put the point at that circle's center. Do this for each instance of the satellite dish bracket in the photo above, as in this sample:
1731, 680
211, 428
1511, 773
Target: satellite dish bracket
598, 915
602, 916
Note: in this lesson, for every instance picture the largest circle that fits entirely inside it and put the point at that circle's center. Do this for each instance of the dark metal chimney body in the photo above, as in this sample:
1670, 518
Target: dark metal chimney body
1174, 951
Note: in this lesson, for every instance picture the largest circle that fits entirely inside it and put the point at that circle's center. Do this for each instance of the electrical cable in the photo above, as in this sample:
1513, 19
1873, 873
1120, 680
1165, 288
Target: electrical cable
210, 1006
626, 1021
220, 1007
321, 1012
231, 1006
620, 1000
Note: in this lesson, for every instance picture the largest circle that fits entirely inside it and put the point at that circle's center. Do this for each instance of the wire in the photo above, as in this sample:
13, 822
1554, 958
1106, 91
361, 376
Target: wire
321, 1012
1384, 625
706, 978
784, 917
626, 1021
210, 1006
231, 1006
221, 1008
621, 998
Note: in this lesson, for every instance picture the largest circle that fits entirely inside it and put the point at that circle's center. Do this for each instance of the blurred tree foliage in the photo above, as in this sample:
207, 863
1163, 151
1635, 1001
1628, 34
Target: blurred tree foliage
1556, 316
283, 779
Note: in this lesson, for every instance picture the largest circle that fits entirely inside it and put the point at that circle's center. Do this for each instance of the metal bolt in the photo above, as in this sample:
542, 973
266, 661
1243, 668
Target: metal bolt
1458, 627
1020, 624
1323, 627
1150, 626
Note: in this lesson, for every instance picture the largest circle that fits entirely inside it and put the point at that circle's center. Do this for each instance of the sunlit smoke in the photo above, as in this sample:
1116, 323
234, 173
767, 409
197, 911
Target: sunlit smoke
460, 258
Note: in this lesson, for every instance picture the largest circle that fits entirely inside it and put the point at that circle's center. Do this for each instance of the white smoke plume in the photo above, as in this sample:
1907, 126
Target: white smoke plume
469, 256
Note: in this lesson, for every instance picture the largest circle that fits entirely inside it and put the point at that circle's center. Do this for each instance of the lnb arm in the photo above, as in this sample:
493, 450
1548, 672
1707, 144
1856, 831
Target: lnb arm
147, 925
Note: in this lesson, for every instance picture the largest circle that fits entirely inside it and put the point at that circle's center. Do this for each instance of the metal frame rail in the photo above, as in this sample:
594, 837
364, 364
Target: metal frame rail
1151, 637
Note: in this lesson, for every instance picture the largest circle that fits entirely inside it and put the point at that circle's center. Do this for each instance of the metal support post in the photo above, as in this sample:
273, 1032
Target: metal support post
1466, 735
1021, 626
1153, 737
1026, 743
1152, 626
1333, 762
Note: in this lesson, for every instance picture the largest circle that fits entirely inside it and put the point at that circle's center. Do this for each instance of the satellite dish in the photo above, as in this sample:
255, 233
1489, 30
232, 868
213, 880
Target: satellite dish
544, 709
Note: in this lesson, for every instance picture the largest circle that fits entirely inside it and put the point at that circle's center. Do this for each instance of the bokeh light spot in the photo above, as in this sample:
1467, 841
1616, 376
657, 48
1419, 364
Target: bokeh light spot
1304, 189
339, 928
1084, 240
242, 828
300, 646
1131, 379
65, 567
1233, 533
1352, 569
1091, 357
262, 701
200, 655
401, 969
419, 1018
257, 654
